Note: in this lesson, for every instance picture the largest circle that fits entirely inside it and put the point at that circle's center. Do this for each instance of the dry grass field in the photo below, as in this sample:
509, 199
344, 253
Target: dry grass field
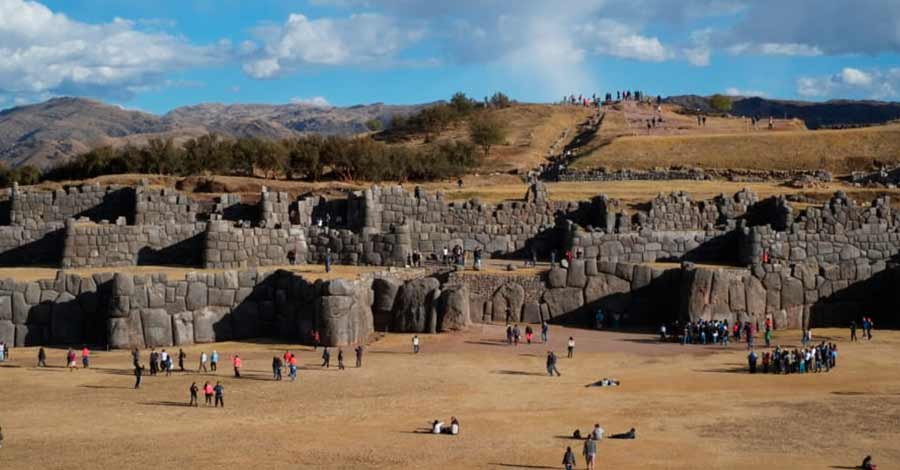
624, 141
693, 407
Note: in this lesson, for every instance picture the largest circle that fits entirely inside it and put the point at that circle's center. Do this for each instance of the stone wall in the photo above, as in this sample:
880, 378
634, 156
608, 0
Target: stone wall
228, 246
275, 209
157, 206
88, 244
32, 244
92, 201
67, 310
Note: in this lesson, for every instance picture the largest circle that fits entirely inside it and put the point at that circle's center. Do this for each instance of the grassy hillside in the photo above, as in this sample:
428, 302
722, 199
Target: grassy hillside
839, 151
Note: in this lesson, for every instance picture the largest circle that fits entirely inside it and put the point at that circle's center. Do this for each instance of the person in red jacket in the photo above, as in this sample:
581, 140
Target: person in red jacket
236, 362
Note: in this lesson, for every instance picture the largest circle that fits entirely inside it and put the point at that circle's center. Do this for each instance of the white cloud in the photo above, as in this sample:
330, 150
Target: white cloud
855, 77
618, 40
356, 40
853, 83
772, 48
317, 101
46, 52
732, 91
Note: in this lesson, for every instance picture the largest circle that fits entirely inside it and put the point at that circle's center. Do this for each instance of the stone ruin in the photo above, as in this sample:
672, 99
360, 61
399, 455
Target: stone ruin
733, 257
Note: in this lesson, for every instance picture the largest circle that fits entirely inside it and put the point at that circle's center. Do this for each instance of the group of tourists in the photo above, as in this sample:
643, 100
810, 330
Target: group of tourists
71, 358
820, 358
208, 392
457, 256
588, 450
714, 332
164, 362
438, 427
867, 326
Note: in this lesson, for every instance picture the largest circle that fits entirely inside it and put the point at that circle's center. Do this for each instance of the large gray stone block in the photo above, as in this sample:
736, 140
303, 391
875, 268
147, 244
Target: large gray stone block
212, 324
576, 274
183, 328
414, 305
157, 326
197, 296
453, 310
507, 302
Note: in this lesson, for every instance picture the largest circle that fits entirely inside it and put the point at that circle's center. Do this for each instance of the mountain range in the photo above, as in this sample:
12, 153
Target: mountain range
48, 133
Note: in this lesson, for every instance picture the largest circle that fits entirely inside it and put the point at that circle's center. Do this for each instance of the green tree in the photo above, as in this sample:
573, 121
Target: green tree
720, 103
499, 100
486, 131
461, 103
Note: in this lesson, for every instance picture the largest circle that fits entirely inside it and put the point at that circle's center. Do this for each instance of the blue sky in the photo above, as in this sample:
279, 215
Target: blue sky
162, 54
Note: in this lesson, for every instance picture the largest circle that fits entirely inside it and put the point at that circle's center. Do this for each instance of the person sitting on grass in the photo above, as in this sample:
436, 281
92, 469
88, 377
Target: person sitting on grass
437, 427
867, 464
625, 435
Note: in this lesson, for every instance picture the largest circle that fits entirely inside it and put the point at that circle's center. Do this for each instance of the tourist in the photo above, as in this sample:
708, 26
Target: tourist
138, 375
509, 331
598, 319
454, 426
135, 357
597, 432
208, 393
853, 331
867, 463
276, 368
571, 347
340, 359
569, 459
631, 434
529, 333
551, 364
154, 361
662, 332
291, 257
317, 340
870, 325
751, 358
213, 360
415, 343
2, 352
220, 392
359, 354
42, 358
768, 337
85, 357
1, 437
328, 260
545, 331
437, 427
181, 357
203, 359
70, 359
170, 365
765, 361
164, 360
516, 335
293, 367
326, 358
590, 452
194, 390
236, 363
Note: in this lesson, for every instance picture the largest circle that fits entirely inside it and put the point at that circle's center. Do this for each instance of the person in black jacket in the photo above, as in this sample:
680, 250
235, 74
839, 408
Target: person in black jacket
138, 374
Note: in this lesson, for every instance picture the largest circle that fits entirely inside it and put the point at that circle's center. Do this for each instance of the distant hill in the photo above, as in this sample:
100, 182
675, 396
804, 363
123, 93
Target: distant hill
47, 133
828, 114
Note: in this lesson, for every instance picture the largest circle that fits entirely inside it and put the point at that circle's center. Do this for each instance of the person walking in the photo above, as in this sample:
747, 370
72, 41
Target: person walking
359, 355
340, 359
571, 347
293, 367
328, 260
326, 358
529, 333
590, 452
415, 343
220, 394
135, 357
276, 368
236, 363
181, 357
568, 460
545, 332
194, 390
208, 393
551, 364
203, 359
138, 376
70, 359
85, 357
213, 360
42, 358
853, 331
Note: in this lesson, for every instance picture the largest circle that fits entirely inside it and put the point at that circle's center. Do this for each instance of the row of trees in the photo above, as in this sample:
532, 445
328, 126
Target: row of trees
433, 120
312, 158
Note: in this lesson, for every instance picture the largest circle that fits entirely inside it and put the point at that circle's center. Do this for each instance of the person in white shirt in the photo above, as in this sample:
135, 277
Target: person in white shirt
203, 359
436, 427
415, 342
454, 425
571, 347
597, 433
